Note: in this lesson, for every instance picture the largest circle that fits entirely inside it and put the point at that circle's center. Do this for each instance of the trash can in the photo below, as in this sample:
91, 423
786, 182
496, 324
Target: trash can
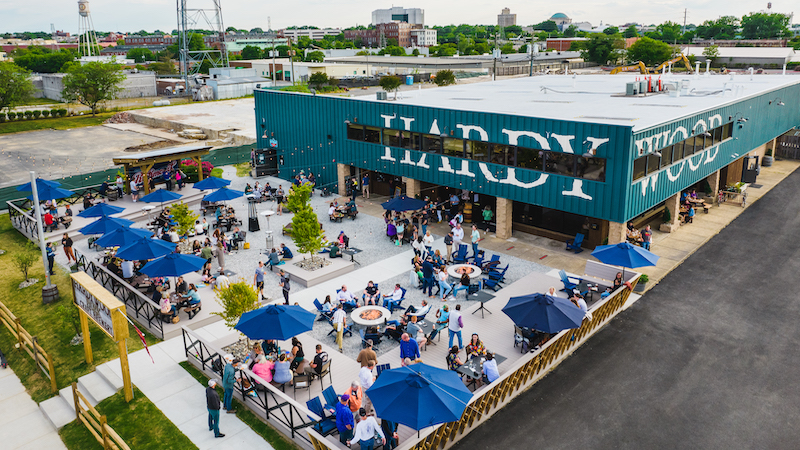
409, 80
270, 242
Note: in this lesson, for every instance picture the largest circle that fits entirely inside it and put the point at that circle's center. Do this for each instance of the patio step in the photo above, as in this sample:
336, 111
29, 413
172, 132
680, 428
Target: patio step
110, 376
58, 411
97, 386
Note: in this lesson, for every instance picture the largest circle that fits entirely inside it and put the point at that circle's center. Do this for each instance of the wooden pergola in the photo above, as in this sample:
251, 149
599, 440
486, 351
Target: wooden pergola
146, 161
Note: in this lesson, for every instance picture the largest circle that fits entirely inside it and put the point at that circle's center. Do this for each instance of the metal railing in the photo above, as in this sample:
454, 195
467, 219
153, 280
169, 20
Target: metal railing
265, 400
139, 306
23, 222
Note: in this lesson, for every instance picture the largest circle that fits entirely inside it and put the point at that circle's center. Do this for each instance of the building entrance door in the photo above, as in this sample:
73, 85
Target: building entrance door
750, 169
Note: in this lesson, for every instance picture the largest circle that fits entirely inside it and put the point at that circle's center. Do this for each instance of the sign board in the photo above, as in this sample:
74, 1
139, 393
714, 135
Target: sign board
99, 305
273, 143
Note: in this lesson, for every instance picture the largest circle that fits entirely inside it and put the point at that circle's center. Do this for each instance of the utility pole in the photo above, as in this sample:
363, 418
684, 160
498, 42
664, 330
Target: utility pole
291, 59
683, 31
274, 36
494, 54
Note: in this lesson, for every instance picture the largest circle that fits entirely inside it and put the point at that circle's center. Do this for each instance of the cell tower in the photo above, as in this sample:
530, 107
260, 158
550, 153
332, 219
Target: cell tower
87, 39
190, 22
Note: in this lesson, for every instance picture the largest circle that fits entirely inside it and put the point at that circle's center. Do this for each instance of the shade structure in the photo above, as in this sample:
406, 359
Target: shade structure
223, 194
544, 313
160, 196
279, 322
100, 210
122, 237
105, 224
419, 396
211, 183
173, 265
403, 203
40, 184
145, 248
625, 254
51, 193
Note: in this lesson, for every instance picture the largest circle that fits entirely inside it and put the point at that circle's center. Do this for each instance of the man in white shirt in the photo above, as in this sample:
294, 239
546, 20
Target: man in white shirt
365, 431
346, 296
198, 228
221, 281
127, 269
454, 326
458, 236
394, 296
339, 321
367, 379
134, 191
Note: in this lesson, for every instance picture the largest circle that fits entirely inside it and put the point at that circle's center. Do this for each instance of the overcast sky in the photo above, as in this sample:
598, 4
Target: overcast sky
134, 15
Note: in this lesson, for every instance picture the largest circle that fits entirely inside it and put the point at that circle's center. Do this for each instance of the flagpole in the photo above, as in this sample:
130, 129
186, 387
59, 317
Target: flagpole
39, 227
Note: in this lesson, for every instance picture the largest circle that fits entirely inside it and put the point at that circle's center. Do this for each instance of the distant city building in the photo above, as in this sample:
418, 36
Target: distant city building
424, 37
166, 39
506, 19
562, 44
561, 20
414, 16
236, 43
406, 35
136, 84
313, 34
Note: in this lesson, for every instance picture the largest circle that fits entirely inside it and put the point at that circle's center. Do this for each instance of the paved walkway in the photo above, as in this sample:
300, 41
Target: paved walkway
24, 426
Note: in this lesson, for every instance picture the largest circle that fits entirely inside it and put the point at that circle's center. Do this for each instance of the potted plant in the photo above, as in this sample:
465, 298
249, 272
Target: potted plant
768, 159
642, 284
667, 226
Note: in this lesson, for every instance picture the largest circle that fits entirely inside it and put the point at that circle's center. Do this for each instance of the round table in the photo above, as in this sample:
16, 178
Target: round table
456, 270
378, 320
266, 214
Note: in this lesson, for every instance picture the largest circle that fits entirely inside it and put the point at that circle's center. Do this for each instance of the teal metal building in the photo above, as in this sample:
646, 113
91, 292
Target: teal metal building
551, 154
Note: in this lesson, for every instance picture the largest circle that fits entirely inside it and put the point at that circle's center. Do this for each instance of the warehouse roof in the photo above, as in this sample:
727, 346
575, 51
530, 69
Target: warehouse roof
593, 98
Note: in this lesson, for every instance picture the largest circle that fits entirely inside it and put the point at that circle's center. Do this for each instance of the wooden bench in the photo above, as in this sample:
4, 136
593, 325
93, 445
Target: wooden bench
193, 310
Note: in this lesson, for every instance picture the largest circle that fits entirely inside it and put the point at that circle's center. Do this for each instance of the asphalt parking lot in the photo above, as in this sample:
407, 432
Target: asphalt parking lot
706, 359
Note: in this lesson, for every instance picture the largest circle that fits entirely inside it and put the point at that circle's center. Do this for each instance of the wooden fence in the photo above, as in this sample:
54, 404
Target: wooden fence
96, 423
29, 343
521, 376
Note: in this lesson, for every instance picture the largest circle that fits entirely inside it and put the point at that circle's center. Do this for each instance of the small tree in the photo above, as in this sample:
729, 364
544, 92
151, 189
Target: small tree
236, 299
25, 259
306, 232
318, 79
92, 83
711, 53
445, 78
15, 85
391, 83
67, 315
185, 218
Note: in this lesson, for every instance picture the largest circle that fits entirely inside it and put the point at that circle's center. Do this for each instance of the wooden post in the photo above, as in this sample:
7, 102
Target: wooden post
19, 333
87, 338
75, 400
105, 434
52, 368
146, 177
199, 162
126, 371
126, 187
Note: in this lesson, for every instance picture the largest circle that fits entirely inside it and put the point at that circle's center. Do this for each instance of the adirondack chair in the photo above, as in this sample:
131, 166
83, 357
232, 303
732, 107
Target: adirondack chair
575, 244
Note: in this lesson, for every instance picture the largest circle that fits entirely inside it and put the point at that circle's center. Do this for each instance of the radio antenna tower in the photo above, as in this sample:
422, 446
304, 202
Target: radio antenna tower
87, 39
191, 22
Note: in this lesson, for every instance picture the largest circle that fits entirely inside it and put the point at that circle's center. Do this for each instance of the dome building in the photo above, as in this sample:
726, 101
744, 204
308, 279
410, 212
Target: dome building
562, 21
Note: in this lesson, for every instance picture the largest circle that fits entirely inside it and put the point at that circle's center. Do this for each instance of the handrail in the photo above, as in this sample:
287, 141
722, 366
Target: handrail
141, 308
23, 222
270, 403
96, 422
29, 343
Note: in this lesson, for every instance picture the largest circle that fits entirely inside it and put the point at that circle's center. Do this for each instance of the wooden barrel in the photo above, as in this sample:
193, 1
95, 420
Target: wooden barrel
49, 294
467, 212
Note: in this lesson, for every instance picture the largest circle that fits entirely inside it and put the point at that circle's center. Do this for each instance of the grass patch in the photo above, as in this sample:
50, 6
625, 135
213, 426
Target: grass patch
45, 323
139, 423
275, 438
242, 169
60, 123
41, 101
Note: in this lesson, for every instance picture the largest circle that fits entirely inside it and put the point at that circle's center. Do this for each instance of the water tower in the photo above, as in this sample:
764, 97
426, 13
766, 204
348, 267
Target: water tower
87, 39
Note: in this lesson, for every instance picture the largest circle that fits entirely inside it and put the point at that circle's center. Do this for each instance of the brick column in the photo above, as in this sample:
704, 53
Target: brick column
412, 187
342, 171
616, 233
503, 217
673, 204
713, 181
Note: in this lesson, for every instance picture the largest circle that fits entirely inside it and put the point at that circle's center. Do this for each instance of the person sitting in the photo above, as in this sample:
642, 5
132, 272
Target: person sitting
463, 284
193, 299
395, 328
198, 228
442, 320
453, 361
393, 296
274, 259
221, 281
438, 259
237, 237
127, 270
167, 308
49, 221
475, 347
283, 374
336, 251
248, 189
315, 368
180, 286
490, 372
415, 330
334, 214
344, 241
371, 294
346, 297
617, 281
400, 229
408, 348
87, 200
285, 253
206, 275
263, 368
412, 311
327, 306
270, 347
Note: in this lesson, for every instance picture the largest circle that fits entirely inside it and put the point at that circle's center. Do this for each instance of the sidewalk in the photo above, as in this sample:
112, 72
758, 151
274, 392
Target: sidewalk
25, 426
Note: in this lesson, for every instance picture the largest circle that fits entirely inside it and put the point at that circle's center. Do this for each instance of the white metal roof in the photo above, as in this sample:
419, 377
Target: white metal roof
591, 98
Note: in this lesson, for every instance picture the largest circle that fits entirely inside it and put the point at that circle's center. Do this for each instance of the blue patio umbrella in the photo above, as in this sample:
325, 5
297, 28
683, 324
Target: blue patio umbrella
223, 194
419, 396
100, 210
403, 203
173, 265
544, 313
51, 193
122, 237
145, 248
105, 224
276, 322
625, 254
160, 196
211, 183
40, 183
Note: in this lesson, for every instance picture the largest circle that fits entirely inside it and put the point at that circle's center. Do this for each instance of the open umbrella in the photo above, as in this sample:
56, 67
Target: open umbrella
105, 224
51, 193
279, 322
122, 237
223, 194
100, 210
403, 203
211, 183
160, 196
544, 313
40, 184
625, 254
145, 248
419, 396
173, 265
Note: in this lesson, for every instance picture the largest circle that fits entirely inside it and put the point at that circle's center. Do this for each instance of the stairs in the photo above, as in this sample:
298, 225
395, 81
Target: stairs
96, 387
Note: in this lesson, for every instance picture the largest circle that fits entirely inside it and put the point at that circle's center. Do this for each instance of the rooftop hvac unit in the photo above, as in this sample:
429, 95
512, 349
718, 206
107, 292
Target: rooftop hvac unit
632, 88
382, 95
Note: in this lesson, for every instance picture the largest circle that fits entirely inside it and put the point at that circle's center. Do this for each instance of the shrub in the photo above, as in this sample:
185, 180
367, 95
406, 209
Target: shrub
36, 114
62, 112
27, 114
2, 117
667, 217
12, 116
54, 112
217, 172
189, 167
644, 278
25, 259
45, 113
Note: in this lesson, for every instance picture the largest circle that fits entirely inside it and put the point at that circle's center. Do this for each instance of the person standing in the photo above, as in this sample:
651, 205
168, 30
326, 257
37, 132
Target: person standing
476, 236
51, 257
258, 279
228, 380
458, 236
364, 433
367, 355
66, 242
120, 185
647, 237
367, 379
365, 185
285, 286
212, 404
427, 276
344, 419
339, 321
487, 216
408, 349
448, 242
134, 191
454, 326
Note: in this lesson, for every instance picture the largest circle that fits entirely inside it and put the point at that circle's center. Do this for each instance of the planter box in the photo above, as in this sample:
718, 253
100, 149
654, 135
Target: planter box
668, 227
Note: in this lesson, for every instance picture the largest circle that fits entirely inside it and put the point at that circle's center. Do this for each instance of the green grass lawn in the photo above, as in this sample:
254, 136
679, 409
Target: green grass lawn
43, 322
139, 423
60, 123
242, 169
42, 101
265, 430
